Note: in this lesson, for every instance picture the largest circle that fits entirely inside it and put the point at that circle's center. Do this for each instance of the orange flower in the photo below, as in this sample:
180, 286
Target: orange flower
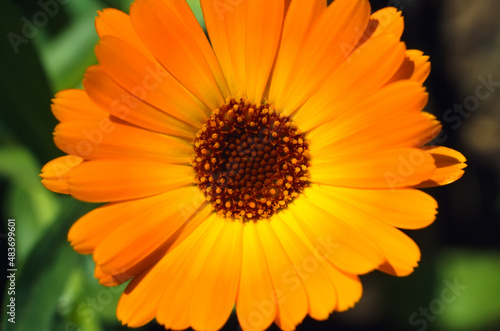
266, 169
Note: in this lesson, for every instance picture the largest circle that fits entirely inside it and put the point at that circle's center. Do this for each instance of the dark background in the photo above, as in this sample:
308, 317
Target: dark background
55, 289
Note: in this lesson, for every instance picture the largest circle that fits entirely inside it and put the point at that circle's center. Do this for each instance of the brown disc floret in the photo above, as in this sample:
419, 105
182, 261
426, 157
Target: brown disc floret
250, 161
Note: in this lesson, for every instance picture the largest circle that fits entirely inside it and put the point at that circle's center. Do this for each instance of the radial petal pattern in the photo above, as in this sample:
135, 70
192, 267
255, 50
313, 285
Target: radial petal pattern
261, 169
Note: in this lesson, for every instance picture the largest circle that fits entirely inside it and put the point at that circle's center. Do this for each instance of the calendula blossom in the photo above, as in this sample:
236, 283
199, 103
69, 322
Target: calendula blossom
265, 169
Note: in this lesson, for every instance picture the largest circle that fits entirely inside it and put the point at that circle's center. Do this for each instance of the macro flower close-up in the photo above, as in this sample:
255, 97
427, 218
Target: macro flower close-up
250, 165
261, 169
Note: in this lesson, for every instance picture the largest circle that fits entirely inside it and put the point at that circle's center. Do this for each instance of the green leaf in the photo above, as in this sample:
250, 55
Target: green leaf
196, 8
66, 60
24, 89
26, 199
67, 56
81, 302
123, 5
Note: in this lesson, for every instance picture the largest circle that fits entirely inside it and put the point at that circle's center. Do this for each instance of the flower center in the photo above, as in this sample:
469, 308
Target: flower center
250, 161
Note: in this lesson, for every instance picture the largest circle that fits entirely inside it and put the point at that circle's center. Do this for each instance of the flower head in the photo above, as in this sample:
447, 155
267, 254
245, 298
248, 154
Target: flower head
266, 169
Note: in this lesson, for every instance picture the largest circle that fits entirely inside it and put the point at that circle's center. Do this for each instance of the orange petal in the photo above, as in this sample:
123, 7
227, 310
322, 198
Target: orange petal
185, 12
401, 253
226, 26
186, 262
399, 130
118, 25
422, 65
111, 279
141, 301
266, 19
385, 169
160, 222
169, 30
329, 43
245, 37
349, 83
148, 81
402, 208
115, 180
398, 99
92, 228
55, 173
112, 22
300, 17
74, 105
110, 139
449, 164
119, 102
256, 304
217, 285
386, 21
138, 303
341, 244
347, 287
390, 118
320, 291
289, 291
415, 67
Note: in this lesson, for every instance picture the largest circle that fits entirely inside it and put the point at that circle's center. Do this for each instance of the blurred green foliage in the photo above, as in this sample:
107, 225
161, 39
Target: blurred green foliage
55, 288
478, 305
